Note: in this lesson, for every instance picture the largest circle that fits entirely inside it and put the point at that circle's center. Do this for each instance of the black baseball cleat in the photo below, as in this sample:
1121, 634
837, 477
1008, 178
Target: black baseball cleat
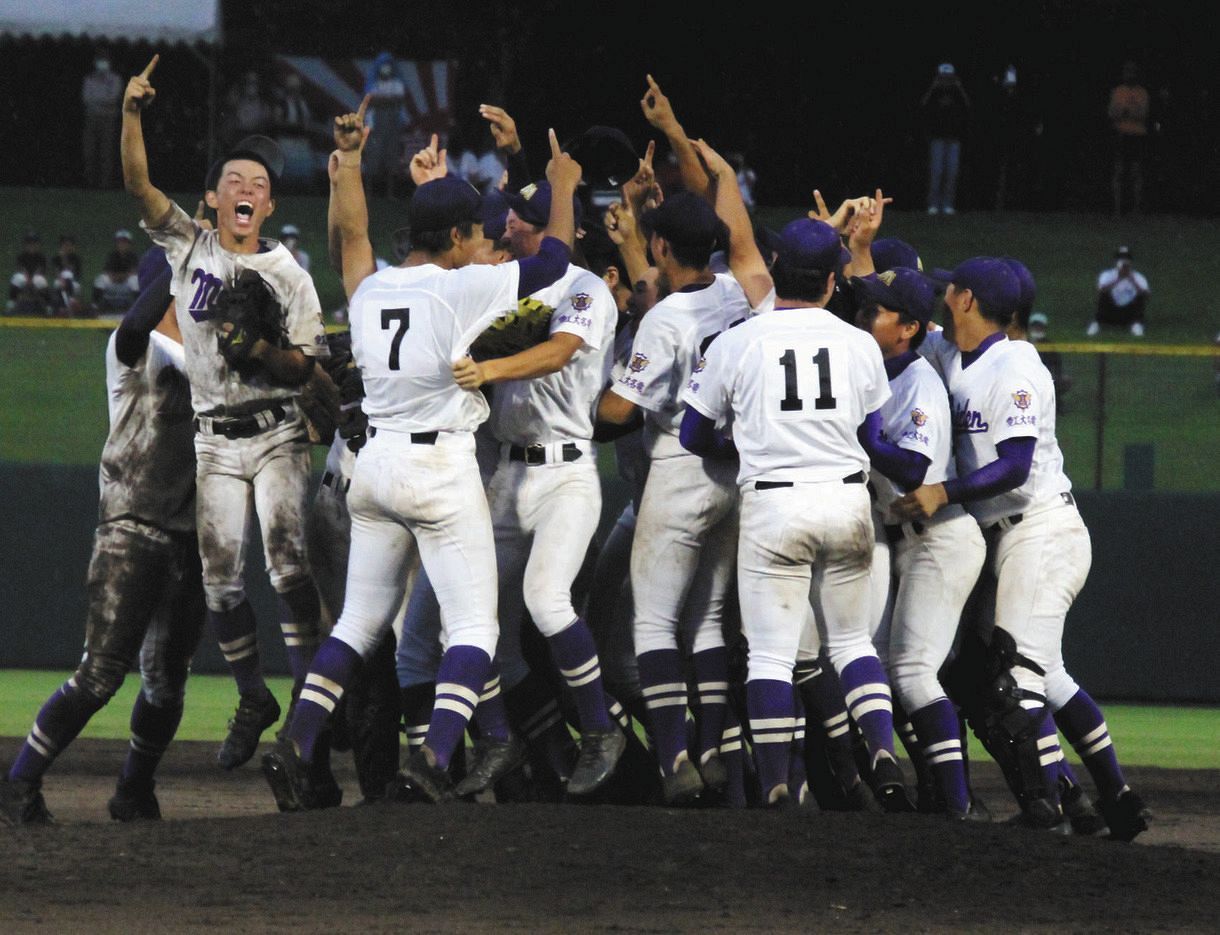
683, 786
1080, 813
299, 786
1041, 814
253, 716
1127, 816
860, 798
889, 787
715, 775
494, 759
134, 801
21, 803
971, 814
420, 781
599, 754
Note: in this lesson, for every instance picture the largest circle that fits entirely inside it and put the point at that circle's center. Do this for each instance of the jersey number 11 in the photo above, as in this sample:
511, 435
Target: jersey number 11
792, 401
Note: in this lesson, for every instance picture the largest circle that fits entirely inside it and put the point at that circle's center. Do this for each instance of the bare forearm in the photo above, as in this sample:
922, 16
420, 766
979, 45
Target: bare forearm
537, 361
635, 258
154, 205
351, 218
694, 177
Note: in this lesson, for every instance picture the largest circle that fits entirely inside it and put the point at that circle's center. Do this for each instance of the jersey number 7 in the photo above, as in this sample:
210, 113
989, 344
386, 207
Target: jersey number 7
403, 317
792, 402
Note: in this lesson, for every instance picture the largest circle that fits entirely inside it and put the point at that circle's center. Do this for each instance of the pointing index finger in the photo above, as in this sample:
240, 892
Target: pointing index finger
148, 69
364, 105
555, 151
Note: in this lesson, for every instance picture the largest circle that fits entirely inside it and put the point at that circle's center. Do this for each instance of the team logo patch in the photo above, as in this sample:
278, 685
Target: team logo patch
699, 366
582, 302
919, 417
1022, 398
638, 362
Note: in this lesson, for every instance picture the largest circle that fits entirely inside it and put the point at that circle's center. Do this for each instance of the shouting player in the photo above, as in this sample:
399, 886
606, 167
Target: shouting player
250, 441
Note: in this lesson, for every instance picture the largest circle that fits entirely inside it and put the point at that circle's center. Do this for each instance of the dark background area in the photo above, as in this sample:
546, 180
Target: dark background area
826, 96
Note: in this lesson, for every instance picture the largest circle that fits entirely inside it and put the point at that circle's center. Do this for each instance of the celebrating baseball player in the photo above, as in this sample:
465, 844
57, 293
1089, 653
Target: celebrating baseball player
1011, 479
416, 482
936, 562
250, 439
144, 586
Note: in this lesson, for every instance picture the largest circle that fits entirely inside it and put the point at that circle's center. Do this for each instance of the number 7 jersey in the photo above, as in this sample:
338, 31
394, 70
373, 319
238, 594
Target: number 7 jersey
797, 383
409, 326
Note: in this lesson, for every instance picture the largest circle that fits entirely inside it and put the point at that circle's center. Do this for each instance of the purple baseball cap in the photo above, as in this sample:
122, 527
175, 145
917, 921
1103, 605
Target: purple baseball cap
900, 290
444, 203
991, 281
495, 214
152, 264
533, 204
809, 244
890, 253
1025, 279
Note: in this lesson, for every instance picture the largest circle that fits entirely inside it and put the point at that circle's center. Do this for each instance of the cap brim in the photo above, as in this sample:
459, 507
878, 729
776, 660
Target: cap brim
879, 292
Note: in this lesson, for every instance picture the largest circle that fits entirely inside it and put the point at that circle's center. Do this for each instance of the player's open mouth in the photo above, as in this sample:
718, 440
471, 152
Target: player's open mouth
244, 211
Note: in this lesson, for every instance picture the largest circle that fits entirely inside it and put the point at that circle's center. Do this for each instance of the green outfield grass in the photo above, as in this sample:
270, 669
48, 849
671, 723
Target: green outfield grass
1146, 735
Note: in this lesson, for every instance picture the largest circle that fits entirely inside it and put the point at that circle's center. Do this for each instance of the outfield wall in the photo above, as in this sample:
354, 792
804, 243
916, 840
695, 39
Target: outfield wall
1146, 627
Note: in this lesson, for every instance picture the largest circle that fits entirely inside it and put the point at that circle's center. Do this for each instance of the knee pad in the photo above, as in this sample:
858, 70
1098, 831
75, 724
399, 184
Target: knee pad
101, 676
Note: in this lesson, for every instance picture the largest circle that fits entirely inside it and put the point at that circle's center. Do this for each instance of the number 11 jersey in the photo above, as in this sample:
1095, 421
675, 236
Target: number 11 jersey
409, 326
797, 383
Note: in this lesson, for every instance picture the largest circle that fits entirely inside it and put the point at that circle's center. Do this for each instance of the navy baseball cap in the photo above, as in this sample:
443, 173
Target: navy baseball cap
1025, 280
152, 264
533, 204
890, 253
605, 155
495, 214
809, 244
900, 290
991, 281
683, 218
262, 149
444, 203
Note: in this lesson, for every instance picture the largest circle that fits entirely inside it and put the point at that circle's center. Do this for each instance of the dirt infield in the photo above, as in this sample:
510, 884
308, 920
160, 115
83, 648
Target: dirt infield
225, 858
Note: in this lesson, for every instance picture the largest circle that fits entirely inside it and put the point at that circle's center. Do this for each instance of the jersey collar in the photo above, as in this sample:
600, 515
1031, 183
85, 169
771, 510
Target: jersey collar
895, 365
969, 357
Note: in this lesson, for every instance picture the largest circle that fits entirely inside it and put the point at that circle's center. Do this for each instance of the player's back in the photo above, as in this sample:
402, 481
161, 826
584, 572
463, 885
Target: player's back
668, 347
800, 382
409, 325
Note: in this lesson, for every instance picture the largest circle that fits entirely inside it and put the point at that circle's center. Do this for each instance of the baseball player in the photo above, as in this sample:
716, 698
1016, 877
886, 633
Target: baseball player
144, 586
250, 441
416, 480
936, 563
1011, 479
545, 496
802, 391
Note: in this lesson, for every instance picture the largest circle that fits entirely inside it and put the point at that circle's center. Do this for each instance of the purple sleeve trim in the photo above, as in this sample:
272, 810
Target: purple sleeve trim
699, 436
545, 267
1007, 472
905, 468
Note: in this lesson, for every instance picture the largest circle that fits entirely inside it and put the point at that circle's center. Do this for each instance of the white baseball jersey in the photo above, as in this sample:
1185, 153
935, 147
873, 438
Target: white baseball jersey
201, 267
409, 325
1007, 392
1123, 289
559, 406
916, 417
630, 451
668, 346
147, 471
798, 383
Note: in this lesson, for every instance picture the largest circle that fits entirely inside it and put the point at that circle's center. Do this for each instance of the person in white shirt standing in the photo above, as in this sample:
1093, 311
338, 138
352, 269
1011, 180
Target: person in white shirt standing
416, 482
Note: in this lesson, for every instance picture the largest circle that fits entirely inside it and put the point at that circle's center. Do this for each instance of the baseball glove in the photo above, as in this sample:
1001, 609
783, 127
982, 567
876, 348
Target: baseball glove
251, 308
519, 330
319, 403
350, 419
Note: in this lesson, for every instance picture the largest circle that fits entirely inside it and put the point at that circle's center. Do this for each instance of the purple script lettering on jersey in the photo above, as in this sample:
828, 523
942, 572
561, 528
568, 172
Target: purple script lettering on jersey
967, 420
206, 288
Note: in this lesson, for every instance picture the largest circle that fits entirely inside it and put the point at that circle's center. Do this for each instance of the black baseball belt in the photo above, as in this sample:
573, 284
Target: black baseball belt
537, 454
417, 438
1007, 522
858, 478
247, 426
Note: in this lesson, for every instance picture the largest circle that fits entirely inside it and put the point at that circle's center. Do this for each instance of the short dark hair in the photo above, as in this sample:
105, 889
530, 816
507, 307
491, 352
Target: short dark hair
1001, 318
691, 255
802, 285
437, 241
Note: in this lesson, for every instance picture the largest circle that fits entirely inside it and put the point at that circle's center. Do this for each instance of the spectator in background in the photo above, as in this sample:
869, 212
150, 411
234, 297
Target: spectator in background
1128, 113
292, 113
116, 286
67, 258
1035, 333
482, 170
1122, 295
387, 115
100, 93
123, 258
945, 111
248, 110
290, 237
29, 292
65, 295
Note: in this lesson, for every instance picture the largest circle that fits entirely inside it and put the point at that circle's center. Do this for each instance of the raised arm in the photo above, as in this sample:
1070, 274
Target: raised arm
747, 263
154, 205
348, 207
659, 113
863, 232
